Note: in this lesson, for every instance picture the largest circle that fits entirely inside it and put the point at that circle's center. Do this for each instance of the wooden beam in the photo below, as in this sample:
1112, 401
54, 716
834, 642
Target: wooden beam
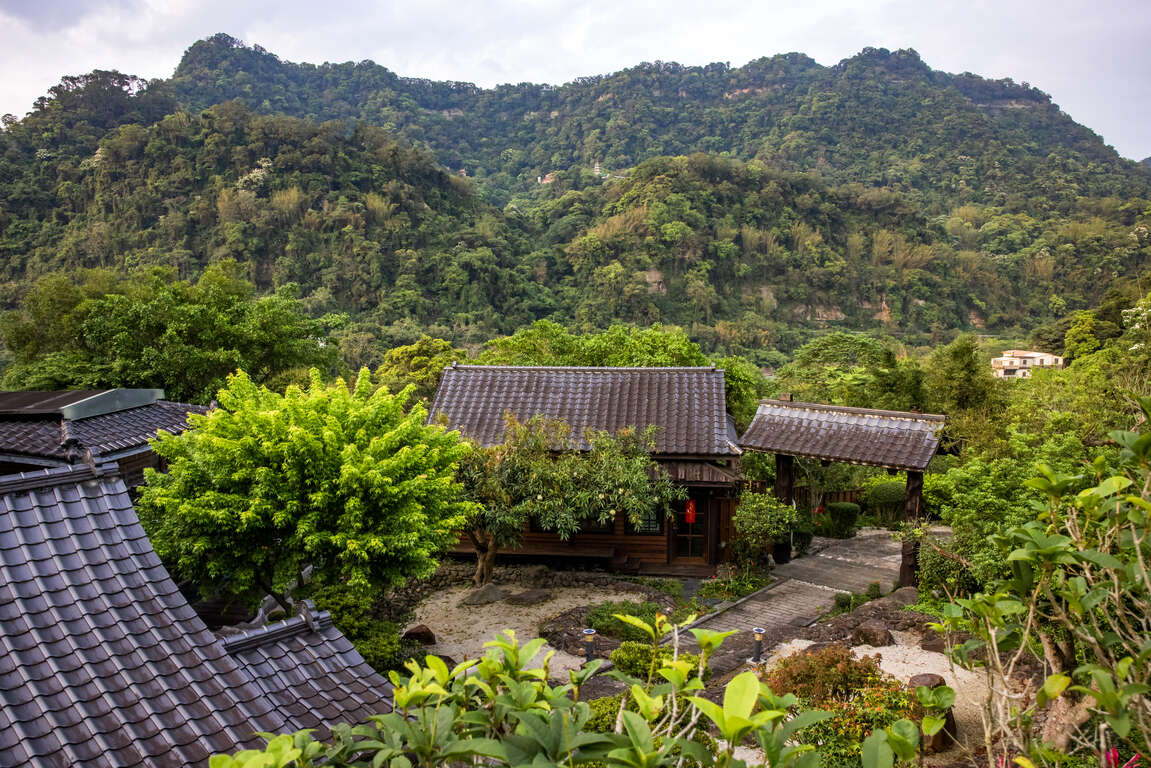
785, 478
909, 560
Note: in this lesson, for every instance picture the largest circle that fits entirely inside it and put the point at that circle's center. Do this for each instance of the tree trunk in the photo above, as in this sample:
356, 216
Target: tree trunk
485, 558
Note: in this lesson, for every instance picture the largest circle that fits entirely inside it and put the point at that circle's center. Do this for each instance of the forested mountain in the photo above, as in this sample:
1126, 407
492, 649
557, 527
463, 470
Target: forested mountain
876, 194
878, 118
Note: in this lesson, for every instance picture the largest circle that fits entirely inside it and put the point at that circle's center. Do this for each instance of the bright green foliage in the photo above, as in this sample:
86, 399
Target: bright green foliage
151, 330
761, 520
543, 475
420, 364
343, 479
1078, 588
853, 369
959, 377
639, 659
507, 714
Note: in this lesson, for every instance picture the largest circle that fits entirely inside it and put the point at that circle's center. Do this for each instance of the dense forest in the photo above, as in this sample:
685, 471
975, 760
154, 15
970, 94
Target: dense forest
753, 206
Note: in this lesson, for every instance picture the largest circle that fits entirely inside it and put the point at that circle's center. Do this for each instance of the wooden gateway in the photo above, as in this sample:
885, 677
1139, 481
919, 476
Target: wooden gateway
695, 442
896, 440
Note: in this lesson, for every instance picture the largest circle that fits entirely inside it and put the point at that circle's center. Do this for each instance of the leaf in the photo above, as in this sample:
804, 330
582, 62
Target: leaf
932, 724
1055, 685
740, 695
876, 751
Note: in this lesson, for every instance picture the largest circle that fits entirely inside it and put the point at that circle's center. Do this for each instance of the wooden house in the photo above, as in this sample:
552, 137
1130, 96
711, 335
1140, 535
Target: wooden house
696, 444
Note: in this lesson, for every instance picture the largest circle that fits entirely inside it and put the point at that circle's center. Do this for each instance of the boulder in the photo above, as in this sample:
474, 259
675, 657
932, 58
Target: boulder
488, 593
927, 679
904, 595
420, 634
933, 643
530, 597
872, 632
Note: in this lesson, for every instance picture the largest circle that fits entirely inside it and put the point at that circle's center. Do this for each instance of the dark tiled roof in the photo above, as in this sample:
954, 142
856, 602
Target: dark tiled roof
314, 676
102, 661
686, 404
897, 439
45, 436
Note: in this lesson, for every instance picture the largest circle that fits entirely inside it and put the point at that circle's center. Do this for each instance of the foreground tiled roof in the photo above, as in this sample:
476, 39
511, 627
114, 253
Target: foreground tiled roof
311, 674
686, 404
47, 436
897, 439
103, 662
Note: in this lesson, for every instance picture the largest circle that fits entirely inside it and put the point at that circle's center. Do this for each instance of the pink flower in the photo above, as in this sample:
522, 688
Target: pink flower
1133, 762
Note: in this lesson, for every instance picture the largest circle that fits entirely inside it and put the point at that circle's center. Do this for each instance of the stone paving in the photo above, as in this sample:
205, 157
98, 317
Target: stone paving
805, 588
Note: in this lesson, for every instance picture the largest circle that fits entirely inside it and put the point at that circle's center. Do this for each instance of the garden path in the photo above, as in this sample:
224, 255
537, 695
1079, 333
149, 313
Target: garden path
805, 588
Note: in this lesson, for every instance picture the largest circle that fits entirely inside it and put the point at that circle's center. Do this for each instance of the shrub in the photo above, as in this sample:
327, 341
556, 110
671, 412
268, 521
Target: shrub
943, 575
604, 711
841, 517
885, 497
862, 697
843, 601
635, 658
601, 618
357, 614
874, 591
761, 519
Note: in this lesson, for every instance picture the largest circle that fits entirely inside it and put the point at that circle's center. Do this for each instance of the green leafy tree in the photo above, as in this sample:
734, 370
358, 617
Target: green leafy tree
541, 473
151, 330
348, 480
420, 364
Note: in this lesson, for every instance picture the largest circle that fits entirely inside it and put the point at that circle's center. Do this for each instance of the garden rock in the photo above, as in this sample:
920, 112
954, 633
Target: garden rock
530, 597
904, 596
489, 593
872, 632
420, 634
934, 643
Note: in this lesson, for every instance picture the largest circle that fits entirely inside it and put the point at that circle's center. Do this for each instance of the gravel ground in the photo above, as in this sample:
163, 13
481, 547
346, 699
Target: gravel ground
462, 630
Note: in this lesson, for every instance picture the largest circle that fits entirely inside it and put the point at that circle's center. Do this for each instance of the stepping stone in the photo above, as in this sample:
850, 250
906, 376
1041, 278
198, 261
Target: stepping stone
530, 597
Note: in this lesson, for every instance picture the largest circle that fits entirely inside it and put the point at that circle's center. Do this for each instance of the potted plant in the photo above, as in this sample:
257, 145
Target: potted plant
762, 521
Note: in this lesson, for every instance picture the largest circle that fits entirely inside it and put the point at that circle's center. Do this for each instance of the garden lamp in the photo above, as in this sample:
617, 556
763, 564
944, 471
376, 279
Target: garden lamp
589, 644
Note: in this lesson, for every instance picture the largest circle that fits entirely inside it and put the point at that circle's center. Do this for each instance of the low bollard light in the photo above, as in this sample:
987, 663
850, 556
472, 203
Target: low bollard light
758, 633
589, 644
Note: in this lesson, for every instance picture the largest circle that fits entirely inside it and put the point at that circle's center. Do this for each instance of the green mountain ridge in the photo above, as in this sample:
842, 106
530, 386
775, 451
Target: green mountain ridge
753, 206
879, 118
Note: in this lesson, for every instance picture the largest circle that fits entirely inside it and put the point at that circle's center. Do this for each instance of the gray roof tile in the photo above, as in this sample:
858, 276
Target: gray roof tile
103, 663
42, 436
897, 439
686, 404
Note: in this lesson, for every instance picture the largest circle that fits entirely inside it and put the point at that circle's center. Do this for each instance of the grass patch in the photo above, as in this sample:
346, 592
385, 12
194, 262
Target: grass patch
601, 618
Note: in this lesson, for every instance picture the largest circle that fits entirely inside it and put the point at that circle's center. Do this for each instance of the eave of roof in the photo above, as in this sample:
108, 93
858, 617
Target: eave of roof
893, 439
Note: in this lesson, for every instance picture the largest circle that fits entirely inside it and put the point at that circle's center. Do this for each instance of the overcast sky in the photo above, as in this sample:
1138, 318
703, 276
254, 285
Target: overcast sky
1092, 57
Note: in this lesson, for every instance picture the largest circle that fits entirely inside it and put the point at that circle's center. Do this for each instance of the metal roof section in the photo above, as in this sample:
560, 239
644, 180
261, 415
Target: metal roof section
104, 663
895, 439
76, 404
685, 404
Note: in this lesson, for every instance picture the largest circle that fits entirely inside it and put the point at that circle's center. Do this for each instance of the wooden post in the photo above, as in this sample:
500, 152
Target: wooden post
909, 562
785, 478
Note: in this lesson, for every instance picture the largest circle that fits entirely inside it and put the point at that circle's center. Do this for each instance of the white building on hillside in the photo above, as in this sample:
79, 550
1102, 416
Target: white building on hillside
1018, 363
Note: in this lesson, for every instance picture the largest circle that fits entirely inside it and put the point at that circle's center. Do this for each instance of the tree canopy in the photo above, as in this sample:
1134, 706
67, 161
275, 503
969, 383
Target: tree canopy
348, 480
538, 474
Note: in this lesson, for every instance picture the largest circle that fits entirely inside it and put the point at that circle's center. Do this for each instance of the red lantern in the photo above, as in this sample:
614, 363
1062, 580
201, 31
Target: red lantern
689, 511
